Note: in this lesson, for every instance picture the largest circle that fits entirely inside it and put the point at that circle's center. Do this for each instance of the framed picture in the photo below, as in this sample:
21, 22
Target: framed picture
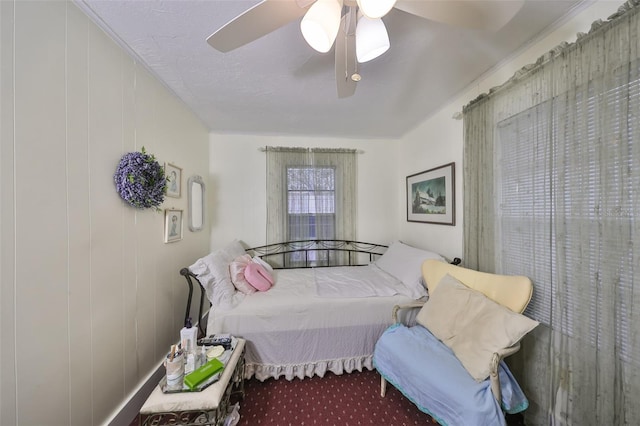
431, 196
172, 225
174, 179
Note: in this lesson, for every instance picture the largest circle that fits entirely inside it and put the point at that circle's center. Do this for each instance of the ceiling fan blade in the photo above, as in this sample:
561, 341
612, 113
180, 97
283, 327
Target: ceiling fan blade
260, 20
346, 63
488, 15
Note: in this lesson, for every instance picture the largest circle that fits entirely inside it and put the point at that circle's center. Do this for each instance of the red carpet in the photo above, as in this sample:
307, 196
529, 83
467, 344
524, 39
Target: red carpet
345, 400
348, 399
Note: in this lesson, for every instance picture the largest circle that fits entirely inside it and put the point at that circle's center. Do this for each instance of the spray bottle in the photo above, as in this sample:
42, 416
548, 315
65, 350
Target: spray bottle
188, 342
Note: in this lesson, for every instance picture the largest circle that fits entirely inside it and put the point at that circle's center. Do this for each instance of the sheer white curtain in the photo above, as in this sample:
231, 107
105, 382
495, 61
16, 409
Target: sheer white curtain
311, 194
552, 191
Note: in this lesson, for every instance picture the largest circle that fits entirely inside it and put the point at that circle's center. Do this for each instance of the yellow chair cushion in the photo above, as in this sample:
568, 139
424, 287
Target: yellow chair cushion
512, 291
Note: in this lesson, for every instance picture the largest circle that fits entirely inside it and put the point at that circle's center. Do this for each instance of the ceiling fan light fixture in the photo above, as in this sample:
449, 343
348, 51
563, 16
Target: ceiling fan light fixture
375, 8
372, 39
320, 24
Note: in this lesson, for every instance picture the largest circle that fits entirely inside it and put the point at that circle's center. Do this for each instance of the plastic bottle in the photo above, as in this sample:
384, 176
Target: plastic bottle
203, 355
188, 337
190, 363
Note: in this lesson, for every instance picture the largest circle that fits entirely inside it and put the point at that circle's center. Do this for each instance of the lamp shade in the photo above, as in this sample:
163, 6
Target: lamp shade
320, 24
372, 39
375, 8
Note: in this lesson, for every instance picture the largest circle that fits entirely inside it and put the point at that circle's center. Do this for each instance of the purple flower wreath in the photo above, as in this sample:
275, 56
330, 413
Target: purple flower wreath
140, 180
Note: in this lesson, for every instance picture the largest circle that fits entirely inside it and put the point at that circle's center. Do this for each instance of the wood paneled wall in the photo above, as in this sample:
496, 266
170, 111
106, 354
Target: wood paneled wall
90, 295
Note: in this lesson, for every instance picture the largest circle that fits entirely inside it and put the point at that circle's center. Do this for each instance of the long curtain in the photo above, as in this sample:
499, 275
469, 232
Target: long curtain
552, 191
318, 181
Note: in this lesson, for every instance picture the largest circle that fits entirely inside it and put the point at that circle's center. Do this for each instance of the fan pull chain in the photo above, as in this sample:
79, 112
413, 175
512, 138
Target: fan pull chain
350, 31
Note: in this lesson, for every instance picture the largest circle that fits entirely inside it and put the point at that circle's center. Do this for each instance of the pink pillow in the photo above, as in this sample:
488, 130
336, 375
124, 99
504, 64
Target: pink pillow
258, 277
236, 270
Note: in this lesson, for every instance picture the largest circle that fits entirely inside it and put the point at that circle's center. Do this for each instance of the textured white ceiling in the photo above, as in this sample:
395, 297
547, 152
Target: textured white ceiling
279, 85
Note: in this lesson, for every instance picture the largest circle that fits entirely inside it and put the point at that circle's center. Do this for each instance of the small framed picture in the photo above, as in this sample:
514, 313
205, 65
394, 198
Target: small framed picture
172, 225
174, 179
431, 196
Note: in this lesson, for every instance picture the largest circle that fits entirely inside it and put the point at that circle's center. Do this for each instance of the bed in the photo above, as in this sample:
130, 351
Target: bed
315, 318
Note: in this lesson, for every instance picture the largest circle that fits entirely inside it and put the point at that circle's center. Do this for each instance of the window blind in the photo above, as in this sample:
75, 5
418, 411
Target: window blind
567, 185
523, 183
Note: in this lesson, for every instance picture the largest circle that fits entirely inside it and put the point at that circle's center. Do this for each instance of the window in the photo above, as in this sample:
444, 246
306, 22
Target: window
567, 184
523, 182
311, 208
311, 195
311, 203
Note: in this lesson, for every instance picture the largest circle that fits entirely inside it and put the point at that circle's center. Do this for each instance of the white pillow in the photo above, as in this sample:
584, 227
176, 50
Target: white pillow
213, 273
405, 262
233, 250
473, 326
262, 263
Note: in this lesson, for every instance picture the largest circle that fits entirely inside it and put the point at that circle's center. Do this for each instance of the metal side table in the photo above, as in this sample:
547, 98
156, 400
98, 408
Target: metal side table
208, 407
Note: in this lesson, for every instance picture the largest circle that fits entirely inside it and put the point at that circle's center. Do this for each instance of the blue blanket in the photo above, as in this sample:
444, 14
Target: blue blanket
428, 373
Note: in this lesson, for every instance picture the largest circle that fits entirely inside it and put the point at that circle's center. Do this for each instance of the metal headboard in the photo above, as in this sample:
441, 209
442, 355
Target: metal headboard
318, 253
189, 276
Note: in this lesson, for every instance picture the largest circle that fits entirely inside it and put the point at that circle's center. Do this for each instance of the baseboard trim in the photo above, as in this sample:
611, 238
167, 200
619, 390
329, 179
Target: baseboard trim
129, 409
124, 415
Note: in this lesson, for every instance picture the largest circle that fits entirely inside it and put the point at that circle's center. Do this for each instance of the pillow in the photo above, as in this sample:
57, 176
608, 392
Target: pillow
262, 263
236, 270
258, 277
233, 250
473, 326
213, 273
404, 262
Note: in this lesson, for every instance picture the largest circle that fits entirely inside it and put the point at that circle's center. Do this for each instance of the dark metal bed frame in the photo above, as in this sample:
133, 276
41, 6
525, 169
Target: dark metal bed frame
333, 253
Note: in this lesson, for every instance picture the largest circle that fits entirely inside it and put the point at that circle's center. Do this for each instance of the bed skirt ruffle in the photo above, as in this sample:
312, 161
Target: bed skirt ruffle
300, 371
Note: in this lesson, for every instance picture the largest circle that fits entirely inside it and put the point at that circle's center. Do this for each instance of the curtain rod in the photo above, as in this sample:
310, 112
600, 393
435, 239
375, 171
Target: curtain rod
292, 149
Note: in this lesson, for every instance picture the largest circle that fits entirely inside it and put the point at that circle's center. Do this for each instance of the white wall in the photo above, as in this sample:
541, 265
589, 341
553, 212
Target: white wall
238, 190
439, 139
90, 295
435, 143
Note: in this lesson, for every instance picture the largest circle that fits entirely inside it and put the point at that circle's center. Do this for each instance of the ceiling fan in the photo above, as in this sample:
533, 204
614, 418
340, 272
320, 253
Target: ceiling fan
355, 26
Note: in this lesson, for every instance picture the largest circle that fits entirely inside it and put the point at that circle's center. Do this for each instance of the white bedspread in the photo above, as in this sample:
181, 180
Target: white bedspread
357, 281
293, 332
